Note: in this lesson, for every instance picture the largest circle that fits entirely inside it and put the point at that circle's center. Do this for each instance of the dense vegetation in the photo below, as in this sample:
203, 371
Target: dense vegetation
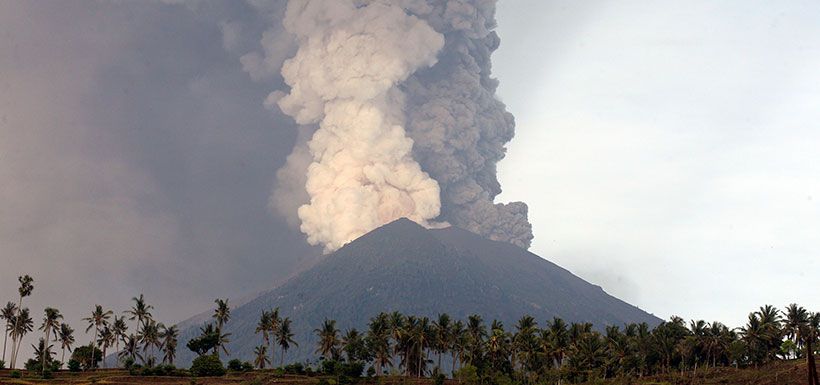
471, 350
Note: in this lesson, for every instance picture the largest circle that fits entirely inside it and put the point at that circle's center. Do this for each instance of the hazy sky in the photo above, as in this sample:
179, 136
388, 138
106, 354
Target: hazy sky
667, 152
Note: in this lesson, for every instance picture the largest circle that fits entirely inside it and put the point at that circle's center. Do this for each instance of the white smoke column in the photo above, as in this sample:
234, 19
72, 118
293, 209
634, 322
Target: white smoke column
344, 77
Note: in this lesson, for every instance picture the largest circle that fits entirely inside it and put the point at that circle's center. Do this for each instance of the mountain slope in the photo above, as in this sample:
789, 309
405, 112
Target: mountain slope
405, 267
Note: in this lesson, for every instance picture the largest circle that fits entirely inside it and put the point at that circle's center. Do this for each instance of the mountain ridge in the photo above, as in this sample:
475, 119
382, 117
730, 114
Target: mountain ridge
405, 267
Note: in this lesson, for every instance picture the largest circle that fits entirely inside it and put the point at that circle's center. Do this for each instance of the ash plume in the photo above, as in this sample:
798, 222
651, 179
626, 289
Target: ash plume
399, 119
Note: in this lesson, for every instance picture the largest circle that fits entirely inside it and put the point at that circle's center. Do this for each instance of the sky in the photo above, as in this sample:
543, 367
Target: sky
666, 152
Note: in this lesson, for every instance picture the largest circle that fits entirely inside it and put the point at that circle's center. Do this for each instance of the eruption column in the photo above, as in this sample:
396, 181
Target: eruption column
344, 77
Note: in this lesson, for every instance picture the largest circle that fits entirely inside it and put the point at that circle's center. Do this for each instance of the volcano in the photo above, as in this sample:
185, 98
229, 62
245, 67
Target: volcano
405, 267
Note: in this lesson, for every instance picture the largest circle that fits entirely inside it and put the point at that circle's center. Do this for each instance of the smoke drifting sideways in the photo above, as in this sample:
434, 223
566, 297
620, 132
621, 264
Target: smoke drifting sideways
398, 118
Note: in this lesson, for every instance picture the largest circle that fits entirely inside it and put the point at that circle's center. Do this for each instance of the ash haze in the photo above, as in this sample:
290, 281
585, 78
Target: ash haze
667, 152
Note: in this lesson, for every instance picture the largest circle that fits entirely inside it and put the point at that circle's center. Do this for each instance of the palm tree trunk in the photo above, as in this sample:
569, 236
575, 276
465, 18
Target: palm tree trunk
14, 337
272, 353
93, 348
62, 360
17, 351
44, 353
282, 358
5, 339
811, 365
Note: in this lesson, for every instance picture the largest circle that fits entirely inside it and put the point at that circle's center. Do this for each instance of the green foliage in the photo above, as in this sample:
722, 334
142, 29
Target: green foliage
16, 374
82, 354
346, 369
47, 374
205, 342
235, 365
2, 364
74, 365
207, 366
295, 368
34, 365
467, 375
128, 363
439, 379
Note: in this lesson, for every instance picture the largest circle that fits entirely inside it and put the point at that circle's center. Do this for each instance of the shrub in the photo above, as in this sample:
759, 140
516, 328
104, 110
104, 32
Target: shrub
127, 363
15, 374
235, 365
295, 368
33, 365
467, 375
47, 374
2, 364
83, 355
336, 368
74, 365
135, 369
207, 366
247, 366
439, 379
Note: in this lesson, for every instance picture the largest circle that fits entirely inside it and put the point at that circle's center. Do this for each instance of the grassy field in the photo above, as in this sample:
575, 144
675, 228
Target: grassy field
777, 373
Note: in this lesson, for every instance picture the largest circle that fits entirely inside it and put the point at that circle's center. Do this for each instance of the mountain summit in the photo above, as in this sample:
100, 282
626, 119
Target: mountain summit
405, 267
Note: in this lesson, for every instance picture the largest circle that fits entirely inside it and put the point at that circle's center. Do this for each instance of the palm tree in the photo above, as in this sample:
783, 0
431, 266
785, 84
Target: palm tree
119, 328
273, 327
42, 351
222, 314
107, 338
169, 342
378, 341
25, 290
131, 349
352, 345
261, 353
459, 343
396, 322
264, 327
794, 321
23, 324
97, 320
51, 322
420, 337
328, 340
141, 311
588, 353
442, 327
66, 338
7, 313
475, 337
555, 340
524, 342
770, 320
149, 337
285, 338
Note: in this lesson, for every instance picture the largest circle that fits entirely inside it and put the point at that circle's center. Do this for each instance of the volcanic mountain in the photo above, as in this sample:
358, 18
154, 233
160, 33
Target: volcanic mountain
404, 267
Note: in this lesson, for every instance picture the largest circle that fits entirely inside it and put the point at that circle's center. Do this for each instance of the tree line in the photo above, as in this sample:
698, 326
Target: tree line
554, 351
574, 352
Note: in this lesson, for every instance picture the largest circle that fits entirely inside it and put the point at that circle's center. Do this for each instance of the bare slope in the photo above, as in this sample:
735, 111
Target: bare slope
405, 267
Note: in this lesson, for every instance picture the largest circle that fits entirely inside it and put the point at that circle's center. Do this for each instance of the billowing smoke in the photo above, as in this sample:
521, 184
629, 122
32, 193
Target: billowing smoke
399, 118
